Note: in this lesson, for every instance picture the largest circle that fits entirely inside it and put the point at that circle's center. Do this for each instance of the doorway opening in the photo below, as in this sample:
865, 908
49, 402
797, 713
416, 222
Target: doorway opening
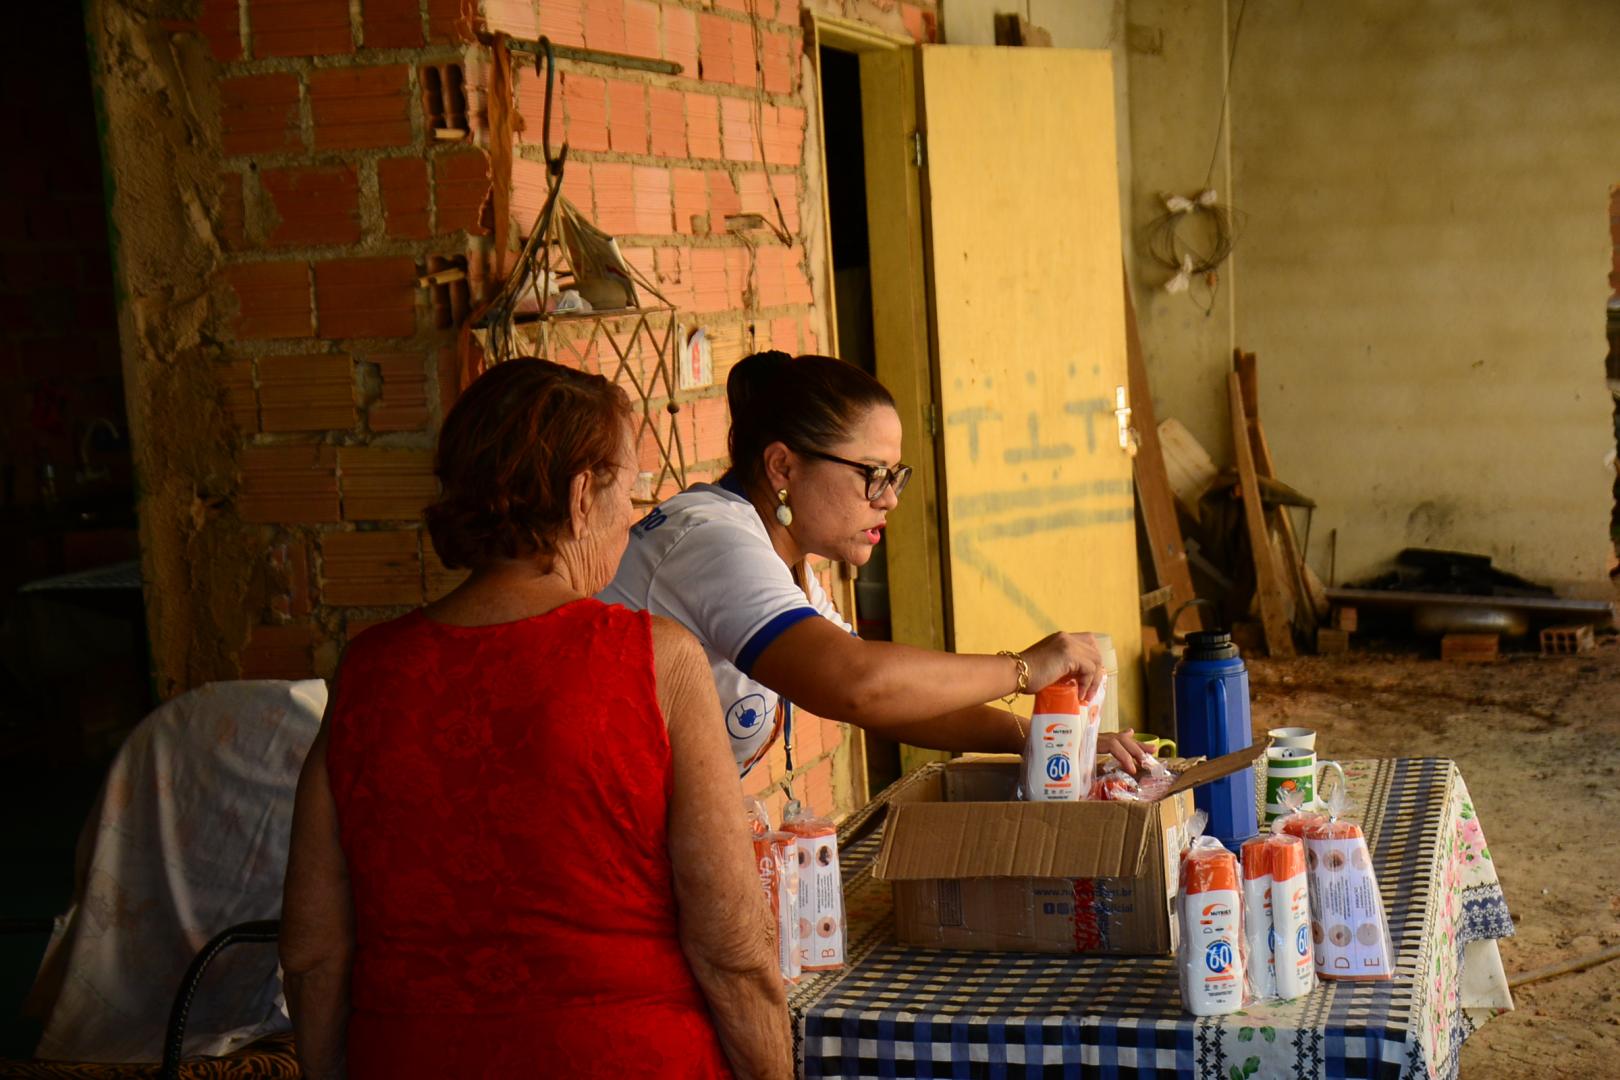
1612, 370
845, 159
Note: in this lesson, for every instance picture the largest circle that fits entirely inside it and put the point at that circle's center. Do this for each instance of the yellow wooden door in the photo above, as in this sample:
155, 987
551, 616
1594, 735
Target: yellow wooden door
1020, 194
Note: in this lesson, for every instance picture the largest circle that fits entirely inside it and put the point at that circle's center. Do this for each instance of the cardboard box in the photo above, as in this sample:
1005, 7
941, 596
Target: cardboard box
973, 869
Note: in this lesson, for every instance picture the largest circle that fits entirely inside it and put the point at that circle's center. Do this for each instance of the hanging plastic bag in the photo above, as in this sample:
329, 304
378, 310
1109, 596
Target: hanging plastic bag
1348, 926
820, 891
1209, 905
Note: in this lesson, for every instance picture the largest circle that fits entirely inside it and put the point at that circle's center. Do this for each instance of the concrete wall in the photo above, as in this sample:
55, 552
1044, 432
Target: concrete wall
1424, 271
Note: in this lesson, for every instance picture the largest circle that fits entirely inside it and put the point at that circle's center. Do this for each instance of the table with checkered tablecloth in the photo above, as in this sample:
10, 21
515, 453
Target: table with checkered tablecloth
898, 1012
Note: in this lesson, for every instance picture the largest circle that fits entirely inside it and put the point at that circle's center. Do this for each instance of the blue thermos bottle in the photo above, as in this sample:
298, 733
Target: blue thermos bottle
1212, 719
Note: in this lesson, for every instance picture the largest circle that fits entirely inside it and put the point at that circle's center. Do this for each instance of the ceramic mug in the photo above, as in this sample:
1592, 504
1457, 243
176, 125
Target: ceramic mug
1302, 737
1292, 768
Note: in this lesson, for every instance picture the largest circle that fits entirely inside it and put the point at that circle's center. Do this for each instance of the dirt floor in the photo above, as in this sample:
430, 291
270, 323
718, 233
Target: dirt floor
1538, 743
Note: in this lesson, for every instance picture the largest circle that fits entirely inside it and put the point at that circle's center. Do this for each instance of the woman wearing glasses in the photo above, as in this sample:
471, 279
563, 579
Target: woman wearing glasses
815, 470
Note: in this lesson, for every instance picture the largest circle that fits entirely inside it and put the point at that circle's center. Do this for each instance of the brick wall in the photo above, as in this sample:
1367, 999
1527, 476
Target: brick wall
354, 158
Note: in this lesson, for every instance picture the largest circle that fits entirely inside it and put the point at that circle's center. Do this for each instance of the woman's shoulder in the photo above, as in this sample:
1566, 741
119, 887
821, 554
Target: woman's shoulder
703, 506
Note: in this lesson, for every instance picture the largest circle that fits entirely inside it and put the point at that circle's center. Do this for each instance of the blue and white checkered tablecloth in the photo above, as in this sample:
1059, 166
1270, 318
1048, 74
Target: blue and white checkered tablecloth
898, 1012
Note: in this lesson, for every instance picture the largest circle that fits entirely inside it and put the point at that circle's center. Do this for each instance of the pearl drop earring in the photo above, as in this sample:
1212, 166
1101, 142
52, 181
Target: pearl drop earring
784, 512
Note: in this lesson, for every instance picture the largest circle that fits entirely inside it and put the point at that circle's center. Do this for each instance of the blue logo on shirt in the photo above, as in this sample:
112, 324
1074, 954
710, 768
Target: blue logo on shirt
745, 716
652, 520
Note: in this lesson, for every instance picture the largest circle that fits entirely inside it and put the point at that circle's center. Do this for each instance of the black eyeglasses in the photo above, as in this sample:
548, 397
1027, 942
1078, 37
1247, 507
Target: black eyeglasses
878, 477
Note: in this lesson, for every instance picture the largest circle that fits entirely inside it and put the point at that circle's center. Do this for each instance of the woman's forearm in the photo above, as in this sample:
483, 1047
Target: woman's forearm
749, 1007
318, 1001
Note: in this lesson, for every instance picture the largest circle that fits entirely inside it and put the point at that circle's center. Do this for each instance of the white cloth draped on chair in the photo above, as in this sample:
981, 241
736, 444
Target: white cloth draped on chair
189, 836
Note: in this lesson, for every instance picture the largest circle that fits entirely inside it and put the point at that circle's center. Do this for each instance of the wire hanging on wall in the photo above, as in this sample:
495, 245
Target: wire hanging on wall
1191, 239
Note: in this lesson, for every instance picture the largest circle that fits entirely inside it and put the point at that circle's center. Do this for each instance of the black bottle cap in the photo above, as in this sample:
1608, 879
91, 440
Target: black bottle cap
1210, 645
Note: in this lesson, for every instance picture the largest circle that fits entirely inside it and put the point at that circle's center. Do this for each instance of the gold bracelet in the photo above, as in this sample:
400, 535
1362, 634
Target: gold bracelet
1023, 688
1023, 674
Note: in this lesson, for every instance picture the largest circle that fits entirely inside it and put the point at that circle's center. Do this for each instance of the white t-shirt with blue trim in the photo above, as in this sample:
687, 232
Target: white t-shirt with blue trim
703, 558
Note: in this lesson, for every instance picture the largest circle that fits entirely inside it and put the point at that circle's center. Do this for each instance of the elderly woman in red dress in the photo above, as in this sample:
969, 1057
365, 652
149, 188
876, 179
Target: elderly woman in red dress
518, 848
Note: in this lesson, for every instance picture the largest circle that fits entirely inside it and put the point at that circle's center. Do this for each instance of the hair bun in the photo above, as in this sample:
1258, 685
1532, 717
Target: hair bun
753, 376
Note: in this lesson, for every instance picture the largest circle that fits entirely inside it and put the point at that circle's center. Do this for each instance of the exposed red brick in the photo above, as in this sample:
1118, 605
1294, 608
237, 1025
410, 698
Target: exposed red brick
563, 23
737, 129
717, 60
403, 183
707, 269
290, 561
300, 27
703, 126
386, 485
371, 569
818, 788
681, 39
366, 297
232, 224
627, 116
785, 334
403, 405
391, 24
615, 197
452, 20
287, 484
691, 192
258, 114
240, 399
272, 300
461, 182
786, 188
667, 121
641, 36
279, 652
314, 205
832, 734
780, 277
810, 335
671, 278
515, 17
585, 106
604, 24
652, 195
711, 424
723, 198
759, 778
784, 135
739, 273
806, 738
780, 61
306, 393
361, 107
220, 24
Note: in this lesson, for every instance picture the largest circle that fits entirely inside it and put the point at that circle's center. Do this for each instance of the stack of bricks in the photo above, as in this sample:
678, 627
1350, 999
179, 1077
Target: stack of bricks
354, 160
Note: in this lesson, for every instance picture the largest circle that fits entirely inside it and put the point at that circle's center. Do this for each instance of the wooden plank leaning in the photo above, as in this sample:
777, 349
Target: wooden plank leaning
1268, 584
1153, 482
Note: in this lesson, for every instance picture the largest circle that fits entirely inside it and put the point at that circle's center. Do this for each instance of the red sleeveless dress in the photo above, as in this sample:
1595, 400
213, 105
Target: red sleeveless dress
502, 797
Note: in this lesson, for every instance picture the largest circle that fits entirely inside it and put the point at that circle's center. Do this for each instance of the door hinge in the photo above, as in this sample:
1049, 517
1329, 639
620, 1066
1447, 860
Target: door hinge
1128, 438
917, 156
933, 420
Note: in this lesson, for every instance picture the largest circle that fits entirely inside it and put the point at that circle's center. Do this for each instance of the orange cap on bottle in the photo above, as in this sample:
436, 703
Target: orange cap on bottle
1287, 857
1062, 696
1256, 858
1209, 871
